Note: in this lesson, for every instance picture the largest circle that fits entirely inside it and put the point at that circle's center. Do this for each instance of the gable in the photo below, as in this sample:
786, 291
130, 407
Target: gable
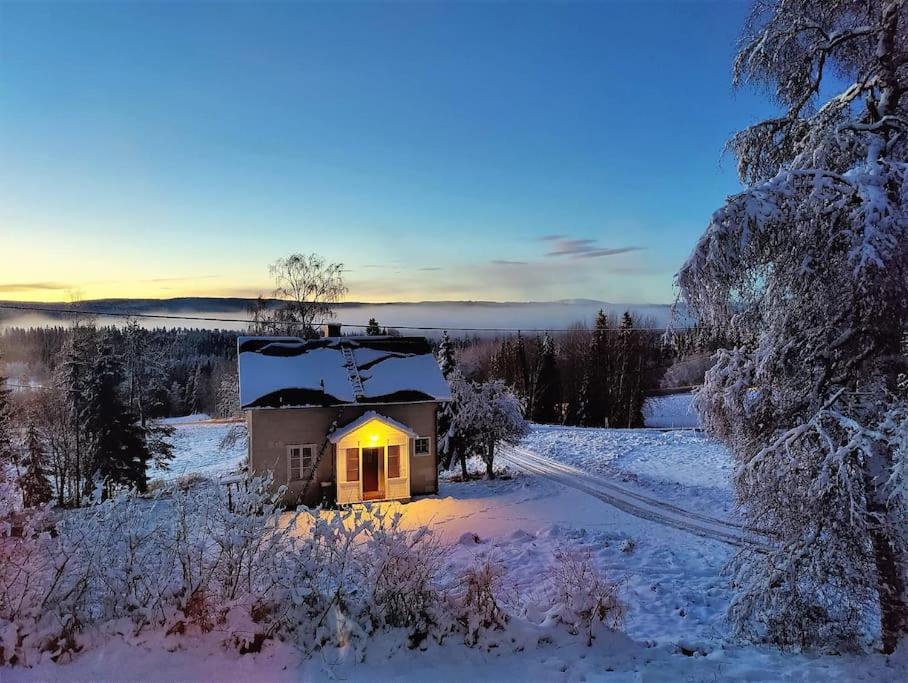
366, 419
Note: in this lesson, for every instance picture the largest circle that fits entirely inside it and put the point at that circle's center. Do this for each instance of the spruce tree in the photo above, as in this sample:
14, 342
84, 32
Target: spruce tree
446, 360
627, 408
36, 489
547, 386
119, 450
600, 370
7, 451
447, 446
373, 329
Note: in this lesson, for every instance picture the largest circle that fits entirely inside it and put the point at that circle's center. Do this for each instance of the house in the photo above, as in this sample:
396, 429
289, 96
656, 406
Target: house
345, 419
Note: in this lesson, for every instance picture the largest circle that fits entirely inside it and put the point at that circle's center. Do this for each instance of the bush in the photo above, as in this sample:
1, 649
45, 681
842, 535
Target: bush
401, 570
477, 601
582, 596
205, 561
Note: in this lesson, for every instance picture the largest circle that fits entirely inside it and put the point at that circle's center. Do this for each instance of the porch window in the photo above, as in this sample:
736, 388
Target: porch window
352, 460
299, 460
421, 446
393, 462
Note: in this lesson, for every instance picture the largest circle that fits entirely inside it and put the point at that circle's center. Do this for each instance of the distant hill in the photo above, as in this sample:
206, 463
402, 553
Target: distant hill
404, 315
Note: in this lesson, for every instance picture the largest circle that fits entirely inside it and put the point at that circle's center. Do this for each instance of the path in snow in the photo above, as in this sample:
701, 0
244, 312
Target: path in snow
630, 501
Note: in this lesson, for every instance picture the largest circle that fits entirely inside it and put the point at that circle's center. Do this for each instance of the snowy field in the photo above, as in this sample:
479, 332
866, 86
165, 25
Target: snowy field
671, 581
682, 466
197, 448
673, 411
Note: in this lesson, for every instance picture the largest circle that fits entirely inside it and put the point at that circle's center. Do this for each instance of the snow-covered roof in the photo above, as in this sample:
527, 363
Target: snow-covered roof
289, 372
366, 418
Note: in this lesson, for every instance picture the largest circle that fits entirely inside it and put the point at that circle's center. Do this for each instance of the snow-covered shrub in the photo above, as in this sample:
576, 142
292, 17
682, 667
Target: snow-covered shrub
401, 570
582, 596
477, 600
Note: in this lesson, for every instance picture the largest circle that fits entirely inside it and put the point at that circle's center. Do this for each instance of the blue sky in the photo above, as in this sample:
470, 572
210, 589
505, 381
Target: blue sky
441, 151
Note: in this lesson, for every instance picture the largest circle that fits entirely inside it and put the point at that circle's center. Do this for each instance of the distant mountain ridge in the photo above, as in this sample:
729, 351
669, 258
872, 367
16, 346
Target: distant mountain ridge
232, 312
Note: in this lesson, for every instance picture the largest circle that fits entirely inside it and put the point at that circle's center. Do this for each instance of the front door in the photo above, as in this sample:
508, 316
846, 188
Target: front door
372, 461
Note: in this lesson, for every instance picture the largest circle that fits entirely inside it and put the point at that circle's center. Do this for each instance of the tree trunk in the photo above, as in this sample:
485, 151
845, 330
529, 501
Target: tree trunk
889, 565
893, 603
463, 465
490, 458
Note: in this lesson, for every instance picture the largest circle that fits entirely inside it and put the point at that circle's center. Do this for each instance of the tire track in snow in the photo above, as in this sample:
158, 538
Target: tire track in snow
632, 502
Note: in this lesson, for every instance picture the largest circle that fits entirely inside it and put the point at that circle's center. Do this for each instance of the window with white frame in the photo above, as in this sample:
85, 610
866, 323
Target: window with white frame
299, 460
421, 446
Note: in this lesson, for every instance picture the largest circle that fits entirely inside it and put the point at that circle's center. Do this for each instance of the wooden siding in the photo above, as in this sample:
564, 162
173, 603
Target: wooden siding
272, 430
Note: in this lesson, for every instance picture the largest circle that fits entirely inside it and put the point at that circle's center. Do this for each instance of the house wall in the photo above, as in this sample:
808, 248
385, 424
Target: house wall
272, 430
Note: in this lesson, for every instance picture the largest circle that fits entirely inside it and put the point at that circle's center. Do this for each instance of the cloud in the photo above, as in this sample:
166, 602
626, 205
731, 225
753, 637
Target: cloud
584, 248
505, 262
552, 238
430, 268
181, 279
28, 286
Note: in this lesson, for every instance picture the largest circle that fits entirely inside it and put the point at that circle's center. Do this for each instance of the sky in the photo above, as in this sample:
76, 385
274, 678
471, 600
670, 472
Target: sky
440, 151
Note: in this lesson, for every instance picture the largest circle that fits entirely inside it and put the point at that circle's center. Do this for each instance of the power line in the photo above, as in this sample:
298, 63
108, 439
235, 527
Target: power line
247, 321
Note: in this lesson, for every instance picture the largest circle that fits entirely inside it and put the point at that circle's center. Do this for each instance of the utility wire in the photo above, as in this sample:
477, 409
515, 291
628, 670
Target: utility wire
247, 321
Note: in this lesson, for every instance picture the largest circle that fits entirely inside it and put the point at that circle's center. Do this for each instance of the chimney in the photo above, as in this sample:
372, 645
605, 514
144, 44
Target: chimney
331, 330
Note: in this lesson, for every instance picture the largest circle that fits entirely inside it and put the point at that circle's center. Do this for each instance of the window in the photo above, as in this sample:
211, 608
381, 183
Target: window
393, 462
352, 460
299, 459
421, 446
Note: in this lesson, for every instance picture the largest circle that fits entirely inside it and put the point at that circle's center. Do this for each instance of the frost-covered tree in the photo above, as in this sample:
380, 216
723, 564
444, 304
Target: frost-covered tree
488, 414
228, 394
446, 360
806, 271
447, 444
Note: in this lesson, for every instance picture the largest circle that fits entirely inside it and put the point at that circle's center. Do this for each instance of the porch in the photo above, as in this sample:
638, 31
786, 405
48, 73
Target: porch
372, 460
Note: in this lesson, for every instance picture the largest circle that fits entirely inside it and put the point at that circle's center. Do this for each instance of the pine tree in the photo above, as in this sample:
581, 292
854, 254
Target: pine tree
373, 329
547, 386
35, 486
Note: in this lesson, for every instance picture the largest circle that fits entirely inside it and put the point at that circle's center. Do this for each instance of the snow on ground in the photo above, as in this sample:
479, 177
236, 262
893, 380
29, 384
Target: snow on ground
197, 448
671, 581
685, 467
670, 411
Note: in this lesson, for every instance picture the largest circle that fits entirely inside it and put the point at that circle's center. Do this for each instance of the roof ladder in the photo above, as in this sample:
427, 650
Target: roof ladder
352, 372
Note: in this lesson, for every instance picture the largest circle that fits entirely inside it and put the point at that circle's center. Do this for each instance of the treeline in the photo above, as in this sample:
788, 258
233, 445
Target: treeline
89, 426
183, 371
594, 376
